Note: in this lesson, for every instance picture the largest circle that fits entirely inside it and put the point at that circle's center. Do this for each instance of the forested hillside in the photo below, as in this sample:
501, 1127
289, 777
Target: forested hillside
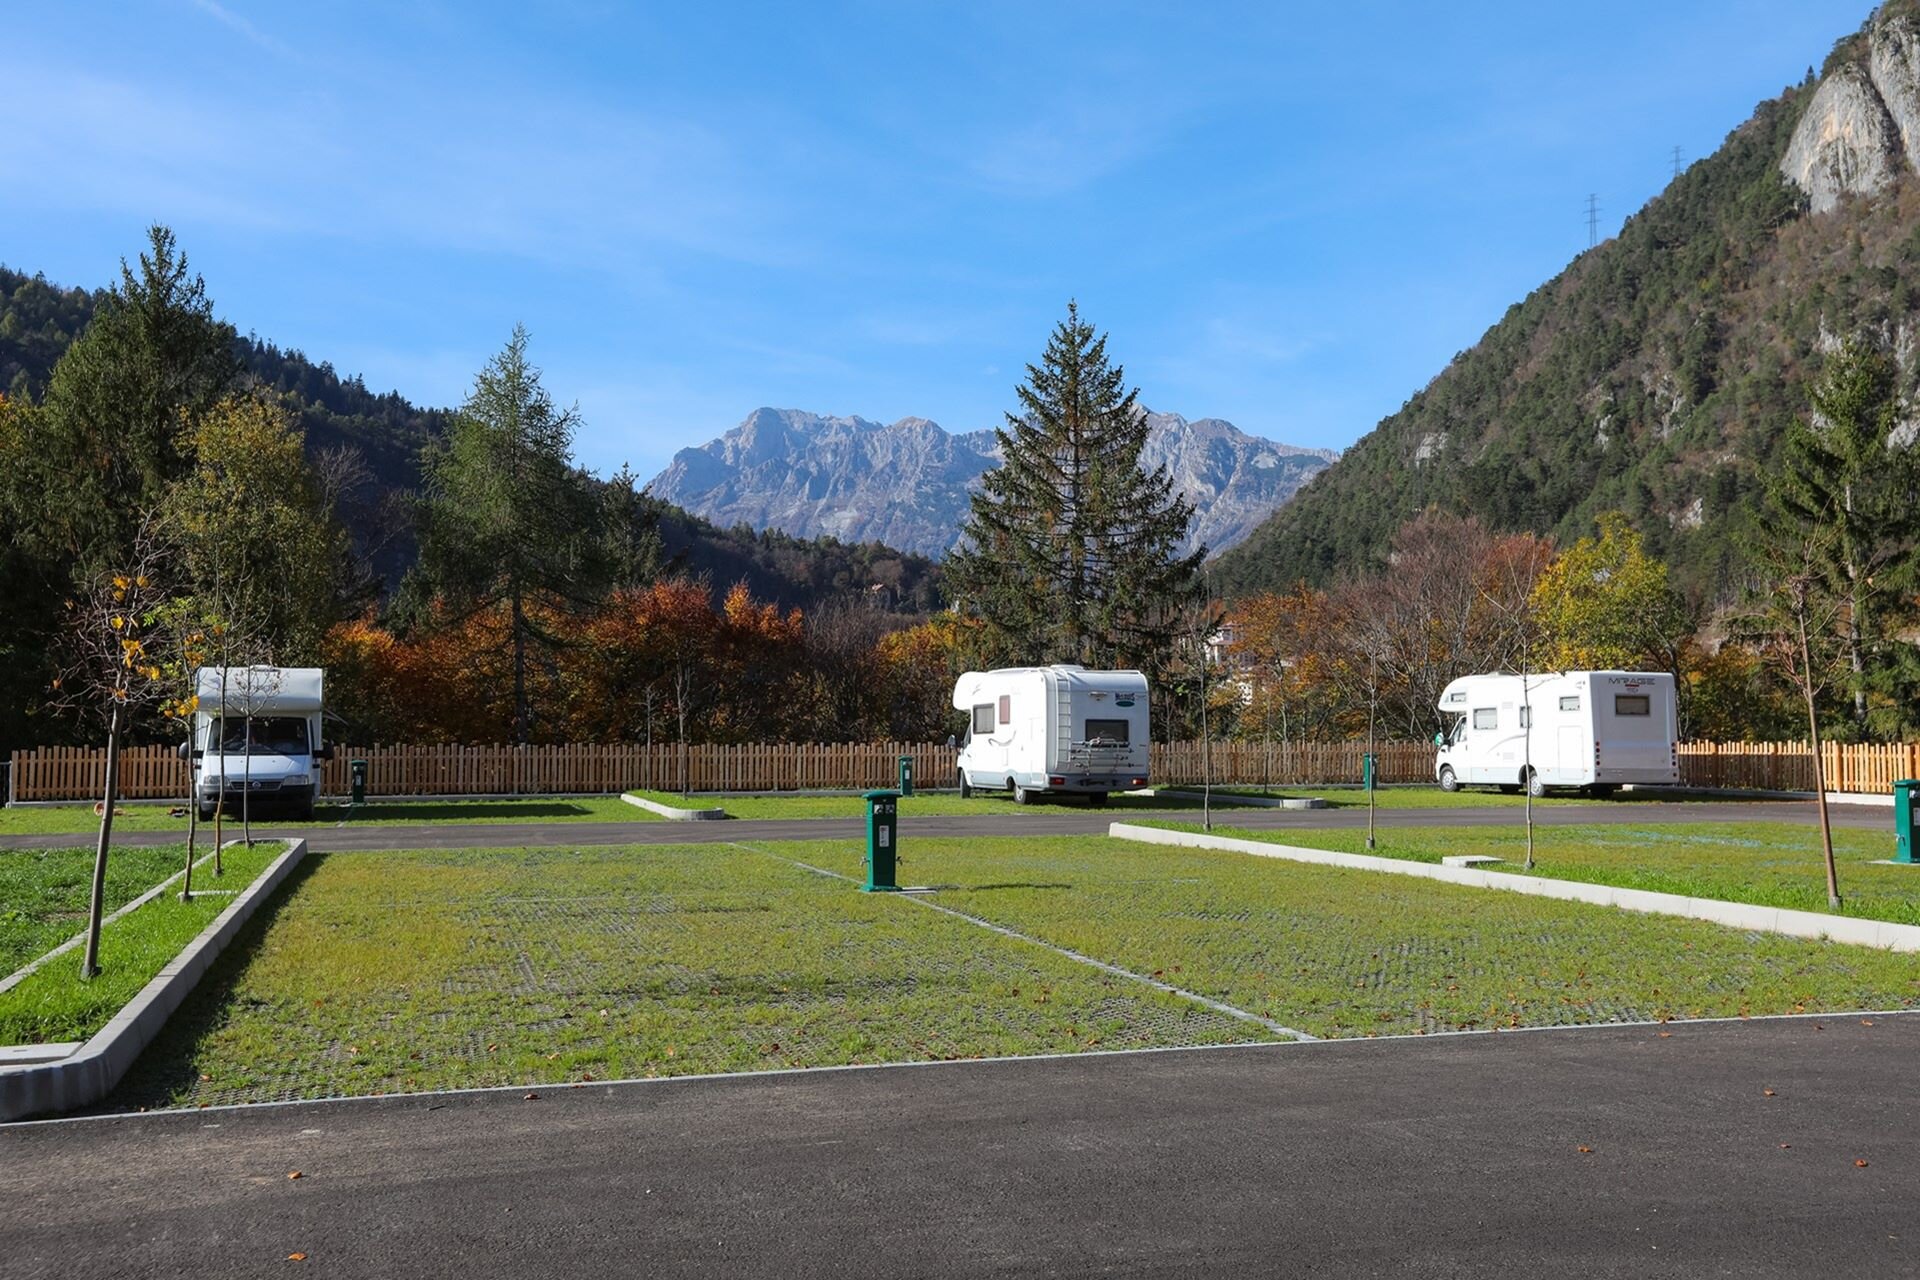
1656, 375
375, 440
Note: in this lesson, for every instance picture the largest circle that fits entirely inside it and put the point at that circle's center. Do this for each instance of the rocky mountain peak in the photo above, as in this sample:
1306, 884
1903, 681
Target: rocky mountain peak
1862, 127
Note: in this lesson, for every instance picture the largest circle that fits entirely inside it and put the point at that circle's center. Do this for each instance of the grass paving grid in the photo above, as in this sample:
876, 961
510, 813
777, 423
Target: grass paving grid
400, 972
1337, 952
382, 973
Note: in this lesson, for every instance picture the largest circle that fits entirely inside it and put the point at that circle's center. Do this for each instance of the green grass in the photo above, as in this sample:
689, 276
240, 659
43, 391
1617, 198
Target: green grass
1775, 864
940, 804
1432, 797
69, 819
1340, 953
379, 973
387, 972
1397, 797
55, 1004
44, 892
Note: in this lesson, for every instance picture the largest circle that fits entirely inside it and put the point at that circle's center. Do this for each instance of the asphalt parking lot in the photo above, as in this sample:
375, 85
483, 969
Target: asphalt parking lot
1781, 1147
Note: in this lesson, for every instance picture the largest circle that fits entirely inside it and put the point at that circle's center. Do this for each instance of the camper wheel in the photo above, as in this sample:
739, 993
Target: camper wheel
1098, 799
1601, 791
1535, 787
1449, 781
966, 788
1021, 795
206, 813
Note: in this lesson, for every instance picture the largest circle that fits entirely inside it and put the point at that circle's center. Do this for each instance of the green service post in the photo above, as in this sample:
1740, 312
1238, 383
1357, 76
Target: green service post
883, 817
1905, 811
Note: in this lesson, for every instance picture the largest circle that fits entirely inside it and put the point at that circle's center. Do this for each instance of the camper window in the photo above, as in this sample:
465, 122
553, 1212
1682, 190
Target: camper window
1570, 703
983, 718
1112, 732
1006, 708
272, 736
1632, 704
1526, 717
1486, 718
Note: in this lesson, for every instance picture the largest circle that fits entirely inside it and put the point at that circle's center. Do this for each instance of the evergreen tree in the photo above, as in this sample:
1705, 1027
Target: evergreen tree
506, 518
1842, 473
111, 434
1071, 551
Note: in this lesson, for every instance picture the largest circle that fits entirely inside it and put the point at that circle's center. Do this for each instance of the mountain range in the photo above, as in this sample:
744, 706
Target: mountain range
1655, 375
907, 483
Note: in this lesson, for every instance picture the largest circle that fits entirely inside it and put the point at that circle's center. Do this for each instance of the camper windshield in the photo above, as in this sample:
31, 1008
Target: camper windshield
272, 736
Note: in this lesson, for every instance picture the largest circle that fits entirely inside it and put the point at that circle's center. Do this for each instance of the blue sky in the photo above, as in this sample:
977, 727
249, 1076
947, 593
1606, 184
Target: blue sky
1289, 216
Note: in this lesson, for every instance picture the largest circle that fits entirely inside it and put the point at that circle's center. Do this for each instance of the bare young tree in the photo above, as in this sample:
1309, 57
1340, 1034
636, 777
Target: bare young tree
1800, 629
111, 669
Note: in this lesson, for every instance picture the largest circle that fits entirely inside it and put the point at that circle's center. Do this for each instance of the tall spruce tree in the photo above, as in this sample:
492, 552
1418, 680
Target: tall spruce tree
1071, 551
1843, 475
507, 520
113, 430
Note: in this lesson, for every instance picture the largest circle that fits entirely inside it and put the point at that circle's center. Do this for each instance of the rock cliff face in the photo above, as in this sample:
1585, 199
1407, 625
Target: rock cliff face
906, 483
1862, 127
1845, 144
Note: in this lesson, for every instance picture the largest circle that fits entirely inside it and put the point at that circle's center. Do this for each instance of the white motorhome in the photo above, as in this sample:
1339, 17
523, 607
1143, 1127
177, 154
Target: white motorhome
257, 732
1058, 729
1591, 729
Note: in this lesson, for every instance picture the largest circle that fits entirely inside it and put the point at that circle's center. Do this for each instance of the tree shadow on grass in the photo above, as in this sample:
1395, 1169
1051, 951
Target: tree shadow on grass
166, 1067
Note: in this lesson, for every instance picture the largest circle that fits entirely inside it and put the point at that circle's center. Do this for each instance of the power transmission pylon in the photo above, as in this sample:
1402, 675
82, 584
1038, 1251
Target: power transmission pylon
1593, 220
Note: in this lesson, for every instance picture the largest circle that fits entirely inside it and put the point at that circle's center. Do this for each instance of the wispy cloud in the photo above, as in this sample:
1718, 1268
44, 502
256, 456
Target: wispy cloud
1071, 145
571, 183
236, 22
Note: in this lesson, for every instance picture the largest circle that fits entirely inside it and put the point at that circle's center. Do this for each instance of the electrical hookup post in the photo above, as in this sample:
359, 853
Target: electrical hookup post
1369, 776
883, 821
1906, 823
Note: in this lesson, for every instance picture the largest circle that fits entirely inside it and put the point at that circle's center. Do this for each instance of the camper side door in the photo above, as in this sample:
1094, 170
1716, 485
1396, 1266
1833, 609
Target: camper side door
1479, 740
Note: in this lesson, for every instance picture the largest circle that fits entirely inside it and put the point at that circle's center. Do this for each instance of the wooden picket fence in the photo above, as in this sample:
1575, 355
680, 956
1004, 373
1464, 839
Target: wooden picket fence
1867, 768
156, 773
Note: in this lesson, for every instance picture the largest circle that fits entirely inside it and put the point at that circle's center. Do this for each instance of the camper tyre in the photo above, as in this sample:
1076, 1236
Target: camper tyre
1449, 781
1601, 791
206, 813
1021, 795
1535, 785
966, 788
1098, 799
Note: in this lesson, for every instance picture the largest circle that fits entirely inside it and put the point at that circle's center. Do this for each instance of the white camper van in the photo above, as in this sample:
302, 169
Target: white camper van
257, 731
1063, 729
1591, 729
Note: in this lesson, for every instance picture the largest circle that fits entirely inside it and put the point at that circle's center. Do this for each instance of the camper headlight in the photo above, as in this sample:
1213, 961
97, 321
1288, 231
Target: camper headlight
296, 780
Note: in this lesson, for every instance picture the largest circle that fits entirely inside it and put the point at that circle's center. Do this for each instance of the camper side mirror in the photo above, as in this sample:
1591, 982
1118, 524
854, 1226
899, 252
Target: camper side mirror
184, 751
324, 753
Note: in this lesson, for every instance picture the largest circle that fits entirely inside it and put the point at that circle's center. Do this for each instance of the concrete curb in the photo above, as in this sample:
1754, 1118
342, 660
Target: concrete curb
676, 815
1240, 800
1735, 915
89, 1074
